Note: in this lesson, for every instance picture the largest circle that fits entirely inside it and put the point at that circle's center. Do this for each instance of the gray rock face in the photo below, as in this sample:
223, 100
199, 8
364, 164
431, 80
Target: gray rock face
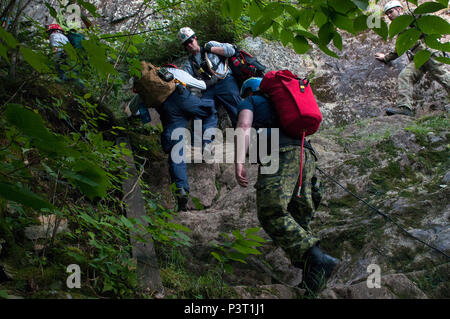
399, 170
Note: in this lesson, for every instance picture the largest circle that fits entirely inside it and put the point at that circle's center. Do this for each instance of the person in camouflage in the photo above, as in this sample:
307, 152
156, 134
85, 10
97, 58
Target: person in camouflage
283, 215
410, 75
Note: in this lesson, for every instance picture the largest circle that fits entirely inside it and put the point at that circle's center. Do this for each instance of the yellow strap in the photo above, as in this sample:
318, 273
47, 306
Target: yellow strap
220, 76
178, 81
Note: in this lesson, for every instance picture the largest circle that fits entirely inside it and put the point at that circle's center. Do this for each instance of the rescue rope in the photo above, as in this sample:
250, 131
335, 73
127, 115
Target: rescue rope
383, 214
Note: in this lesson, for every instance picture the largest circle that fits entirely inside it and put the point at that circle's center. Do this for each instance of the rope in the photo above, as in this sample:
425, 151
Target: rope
383, 214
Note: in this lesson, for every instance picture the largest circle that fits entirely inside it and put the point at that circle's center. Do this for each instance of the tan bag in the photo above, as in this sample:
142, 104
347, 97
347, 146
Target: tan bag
151, 88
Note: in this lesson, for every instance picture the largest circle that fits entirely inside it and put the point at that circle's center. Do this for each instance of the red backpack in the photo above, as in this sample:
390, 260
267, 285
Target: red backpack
295, 105
294, 102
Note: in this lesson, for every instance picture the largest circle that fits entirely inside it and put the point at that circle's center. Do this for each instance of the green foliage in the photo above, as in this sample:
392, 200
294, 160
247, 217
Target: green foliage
421, 57
237, 248
207, 21
289, 22
3, 294
56, 161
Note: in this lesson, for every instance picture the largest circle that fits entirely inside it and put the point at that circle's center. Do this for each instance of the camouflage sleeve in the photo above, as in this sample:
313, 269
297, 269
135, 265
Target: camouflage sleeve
390, 56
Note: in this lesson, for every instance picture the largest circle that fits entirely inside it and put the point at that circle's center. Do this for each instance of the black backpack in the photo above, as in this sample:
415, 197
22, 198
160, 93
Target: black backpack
244, 65
75, 39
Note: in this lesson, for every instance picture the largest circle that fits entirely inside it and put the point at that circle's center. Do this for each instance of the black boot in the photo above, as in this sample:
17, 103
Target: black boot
182, 199
317, 268
399, 110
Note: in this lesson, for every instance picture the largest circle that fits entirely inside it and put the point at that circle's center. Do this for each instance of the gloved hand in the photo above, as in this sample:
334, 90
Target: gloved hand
208, 47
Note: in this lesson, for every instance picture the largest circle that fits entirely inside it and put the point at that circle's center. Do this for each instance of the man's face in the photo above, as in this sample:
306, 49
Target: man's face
191, 45
393, 13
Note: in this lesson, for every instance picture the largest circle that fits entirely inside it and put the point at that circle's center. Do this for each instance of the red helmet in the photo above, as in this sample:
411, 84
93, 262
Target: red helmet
52, 27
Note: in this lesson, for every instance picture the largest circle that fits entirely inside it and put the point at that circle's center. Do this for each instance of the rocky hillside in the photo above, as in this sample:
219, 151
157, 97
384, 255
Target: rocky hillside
398, 164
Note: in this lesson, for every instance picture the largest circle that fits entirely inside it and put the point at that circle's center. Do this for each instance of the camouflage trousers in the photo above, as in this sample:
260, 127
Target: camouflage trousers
410, 75
284, 216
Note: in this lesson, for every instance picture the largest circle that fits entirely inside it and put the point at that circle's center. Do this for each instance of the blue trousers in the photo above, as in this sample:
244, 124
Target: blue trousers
225, 91
180, 107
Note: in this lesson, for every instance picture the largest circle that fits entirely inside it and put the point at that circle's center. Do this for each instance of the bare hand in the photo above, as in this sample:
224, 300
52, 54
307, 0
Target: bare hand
241, 175
379, 56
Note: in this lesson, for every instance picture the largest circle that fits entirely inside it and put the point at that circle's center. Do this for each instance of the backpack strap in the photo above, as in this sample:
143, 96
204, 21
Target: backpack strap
200, 72
210, 66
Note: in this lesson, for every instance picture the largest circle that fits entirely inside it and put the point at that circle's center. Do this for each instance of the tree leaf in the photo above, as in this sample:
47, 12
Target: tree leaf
300, 44
443, 2
320, 18
252, 230
256, 238
305, 17
89, 178
442, 59
421, 57
433, 25
89, 7
337, 41
17, 193
4, 294
254, 12
286, 36
406, 40
399, 24
261, 26
342, 6
217, 256
98, 59
232, 8
344, 23
326, 33
237, 234
429, 7
9, 39
273, 10
37, 60
32, 126
432, 42
360, 23
327, 51
246, 250
382, 31
197, 203
361, 4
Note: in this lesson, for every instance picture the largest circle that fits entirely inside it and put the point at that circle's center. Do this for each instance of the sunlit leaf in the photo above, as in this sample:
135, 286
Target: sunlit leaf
399, 24
300, 44
429, 7
421, 57
261, 26
430, 24
232, 8
406, 40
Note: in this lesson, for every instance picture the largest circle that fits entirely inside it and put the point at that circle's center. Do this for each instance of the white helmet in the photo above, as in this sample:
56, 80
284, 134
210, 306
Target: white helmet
392, 4
185, 34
